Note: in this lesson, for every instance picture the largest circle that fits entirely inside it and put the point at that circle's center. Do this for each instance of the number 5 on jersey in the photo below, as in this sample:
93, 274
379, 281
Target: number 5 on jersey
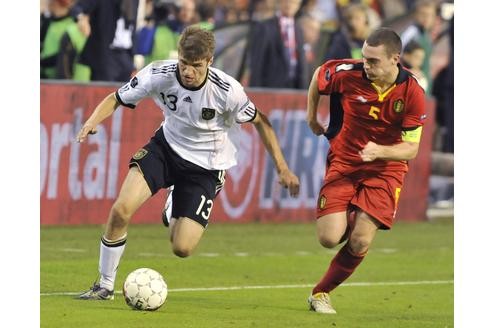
374, 111
209, 204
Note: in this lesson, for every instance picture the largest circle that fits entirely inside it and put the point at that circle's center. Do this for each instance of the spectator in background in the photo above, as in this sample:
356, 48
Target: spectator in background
412, 58
325, 11
443, 90
109, 26
425, 14
230, 12
158, 40
276, 54
54, 23
311, 32
71, 47
184, 16
206, 12
393, 8
348, 40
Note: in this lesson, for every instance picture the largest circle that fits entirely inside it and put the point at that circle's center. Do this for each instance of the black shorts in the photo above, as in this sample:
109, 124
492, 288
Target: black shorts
195, 187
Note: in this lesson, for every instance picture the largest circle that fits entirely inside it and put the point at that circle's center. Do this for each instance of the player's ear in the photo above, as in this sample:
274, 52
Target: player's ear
396, 58
210, 61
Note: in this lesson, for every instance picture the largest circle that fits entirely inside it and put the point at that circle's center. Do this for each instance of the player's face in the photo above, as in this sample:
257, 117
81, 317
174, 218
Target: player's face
193, 73
378, 66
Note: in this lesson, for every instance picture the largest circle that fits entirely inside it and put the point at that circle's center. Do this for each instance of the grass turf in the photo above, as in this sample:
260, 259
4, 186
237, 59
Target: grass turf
253, 255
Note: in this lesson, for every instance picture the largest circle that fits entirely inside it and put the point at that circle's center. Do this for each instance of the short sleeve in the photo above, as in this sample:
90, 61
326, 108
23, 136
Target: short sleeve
136, 89
328, 79
243, 109
415, 107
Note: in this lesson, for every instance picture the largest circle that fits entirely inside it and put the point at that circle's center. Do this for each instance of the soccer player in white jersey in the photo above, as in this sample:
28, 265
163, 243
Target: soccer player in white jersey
197, 142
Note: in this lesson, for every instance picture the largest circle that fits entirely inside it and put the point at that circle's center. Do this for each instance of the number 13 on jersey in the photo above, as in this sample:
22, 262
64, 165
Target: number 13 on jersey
209, 204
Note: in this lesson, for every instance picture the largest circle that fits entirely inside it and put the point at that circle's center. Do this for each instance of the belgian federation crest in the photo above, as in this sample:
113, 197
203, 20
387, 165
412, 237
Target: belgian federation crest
140, 154
398, 106
207, 113
322, 202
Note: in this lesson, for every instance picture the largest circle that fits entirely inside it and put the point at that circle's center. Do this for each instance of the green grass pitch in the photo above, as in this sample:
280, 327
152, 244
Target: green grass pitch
405, 281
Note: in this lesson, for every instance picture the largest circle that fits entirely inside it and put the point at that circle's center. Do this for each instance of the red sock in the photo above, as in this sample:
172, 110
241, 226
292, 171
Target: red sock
341, 267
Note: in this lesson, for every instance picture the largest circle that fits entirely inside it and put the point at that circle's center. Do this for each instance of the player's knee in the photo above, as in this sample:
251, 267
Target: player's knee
120, 215
359, 243
329, 241
181, 250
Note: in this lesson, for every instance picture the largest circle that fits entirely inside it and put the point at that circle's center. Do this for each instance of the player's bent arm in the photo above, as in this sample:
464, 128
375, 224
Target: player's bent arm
403, 151
104, 109
267, 134
312, 105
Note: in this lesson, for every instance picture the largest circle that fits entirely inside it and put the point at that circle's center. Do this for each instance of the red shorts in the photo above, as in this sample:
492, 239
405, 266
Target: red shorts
373, 190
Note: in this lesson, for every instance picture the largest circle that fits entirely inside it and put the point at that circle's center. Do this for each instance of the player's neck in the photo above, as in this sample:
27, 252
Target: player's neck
387, 81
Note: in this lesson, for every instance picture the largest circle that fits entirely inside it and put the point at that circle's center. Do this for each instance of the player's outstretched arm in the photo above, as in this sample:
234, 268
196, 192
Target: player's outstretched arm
102, 111
267, 134
312, 106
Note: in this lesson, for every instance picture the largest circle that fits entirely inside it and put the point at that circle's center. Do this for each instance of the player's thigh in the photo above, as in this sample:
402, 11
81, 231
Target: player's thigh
155, 161
194, 194
186, 235
330, 228
379, 195
336, 193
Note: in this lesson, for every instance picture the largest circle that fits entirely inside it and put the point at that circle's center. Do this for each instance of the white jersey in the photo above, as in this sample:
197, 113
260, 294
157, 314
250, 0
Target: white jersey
202, 123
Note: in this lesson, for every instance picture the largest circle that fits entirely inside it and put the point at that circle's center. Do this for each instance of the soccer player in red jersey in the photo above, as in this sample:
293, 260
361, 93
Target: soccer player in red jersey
377, 110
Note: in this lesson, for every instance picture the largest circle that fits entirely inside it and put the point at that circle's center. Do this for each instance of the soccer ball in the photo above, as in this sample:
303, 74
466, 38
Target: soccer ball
145, 289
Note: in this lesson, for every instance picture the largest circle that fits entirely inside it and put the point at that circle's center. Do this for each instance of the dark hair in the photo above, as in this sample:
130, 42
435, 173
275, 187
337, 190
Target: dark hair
388, 38
412, 46
196, 43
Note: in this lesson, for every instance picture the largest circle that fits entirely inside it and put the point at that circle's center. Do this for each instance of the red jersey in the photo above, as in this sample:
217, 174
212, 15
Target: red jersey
359, 113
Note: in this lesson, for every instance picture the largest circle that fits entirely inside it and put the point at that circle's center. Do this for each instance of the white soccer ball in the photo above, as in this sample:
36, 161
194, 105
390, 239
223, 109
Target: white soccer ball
145, 289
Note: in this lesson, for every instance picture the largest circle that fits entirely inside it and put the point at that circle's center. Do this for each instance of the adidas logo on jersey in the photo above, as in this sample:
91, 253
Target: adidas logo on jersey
187, 99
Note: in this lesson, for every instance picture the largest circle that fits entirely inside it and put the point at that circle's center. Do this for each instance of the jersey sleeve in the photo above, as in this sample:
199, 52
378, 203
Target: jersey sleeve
136, 89
415, 107
242, 107
328, 80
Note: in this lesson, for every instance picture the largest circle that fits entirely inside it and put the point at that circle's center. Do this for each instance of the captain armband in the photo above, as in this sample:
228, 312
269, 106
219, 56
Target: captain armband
412, 135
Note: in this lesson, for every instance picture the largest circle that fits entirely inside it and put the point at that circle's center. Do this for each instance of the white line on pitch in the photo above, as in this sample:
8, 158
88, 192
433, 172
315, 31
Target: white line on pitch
351, 284
73, 250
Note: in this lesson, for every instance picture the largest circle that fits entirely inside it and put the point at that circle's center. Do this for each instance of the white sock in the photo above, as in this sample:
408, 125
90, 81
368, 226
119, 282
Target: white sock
110, 253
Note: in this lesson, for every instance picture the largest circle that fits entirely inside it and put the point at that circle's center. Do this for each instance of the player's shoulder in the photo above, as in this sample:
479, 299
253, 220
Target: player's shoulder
222, 80
408, 78
163, 67
344, 65
340, 69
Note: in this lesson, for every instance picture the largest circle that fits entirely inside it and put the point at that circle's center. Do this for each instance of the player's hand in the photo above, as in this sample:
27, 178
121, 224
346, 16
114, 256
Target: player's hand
289, 180
370, 152
83, 24
315, 126
85, 130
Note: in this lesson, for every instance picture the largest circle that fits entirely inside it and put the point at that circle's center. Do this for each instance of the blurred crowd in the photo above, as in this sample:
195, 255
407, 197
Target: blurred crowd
93, 40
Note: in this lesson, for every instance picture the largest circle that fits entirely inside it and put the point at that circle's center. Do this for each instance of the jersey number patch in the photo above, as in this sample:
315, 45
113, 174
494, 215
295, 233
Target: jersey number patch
171, 103
373, 112
206, 213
